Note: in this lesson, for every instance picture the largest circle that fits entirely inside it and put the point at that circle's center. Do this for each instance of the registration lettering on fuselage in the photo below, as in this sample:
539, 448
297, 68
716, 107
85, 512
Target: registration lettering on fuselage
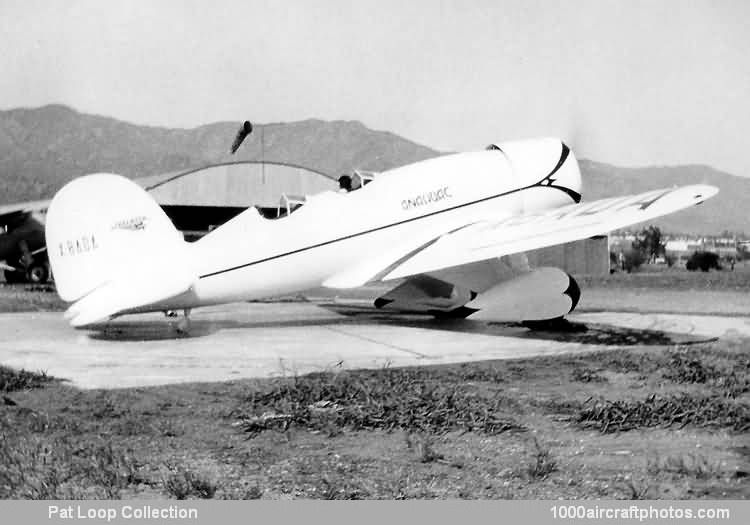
426, 198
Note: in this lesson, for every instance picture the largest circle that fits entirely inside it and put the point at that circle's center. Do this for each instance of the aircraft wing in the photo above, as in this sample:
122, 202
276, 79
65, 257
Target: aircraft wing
488, 238
22, 208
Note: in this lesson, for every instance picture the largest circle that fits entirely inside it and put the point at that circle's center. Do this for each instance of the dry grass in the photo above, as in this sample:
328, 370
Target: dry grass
36, 467
680, 410
691, 465
503, 429
29, 298
587, 375
387, 399
727, 373
659, 277
182, 483
542, 463
12, 380
659, 289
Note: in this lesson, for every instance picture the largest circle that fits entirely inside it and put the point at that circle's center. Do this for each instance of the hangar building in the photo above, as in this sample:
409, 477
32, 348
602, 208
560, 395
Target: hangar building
199, 200
239, 184
584, 257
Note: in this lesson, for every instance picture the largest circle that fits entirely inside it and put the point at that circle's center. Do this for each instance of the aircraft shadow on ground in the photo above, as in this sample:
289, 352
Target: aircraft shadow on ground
566, 332
609, 335
126, 330
162, 330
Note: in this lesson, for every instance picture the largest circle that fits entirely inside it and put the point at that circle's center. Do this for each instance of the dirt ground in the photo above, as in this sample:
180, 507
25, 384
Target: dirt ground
633, 422
669, 290
642, 419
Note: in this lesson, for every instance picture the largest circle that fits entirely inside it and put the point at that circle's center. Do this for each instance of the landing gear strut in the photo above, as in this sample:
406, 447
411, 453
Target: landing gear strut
183, 325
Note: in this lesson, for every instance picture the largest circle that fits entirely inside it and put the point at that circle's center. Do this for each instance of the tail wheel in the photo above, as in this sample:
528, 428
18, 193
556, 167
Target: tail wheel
37, 273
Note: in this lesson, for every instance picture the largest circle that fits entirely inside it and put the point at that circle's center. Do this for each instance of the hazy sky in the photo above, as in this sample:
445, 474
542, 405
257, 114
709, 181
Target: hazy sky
627, 82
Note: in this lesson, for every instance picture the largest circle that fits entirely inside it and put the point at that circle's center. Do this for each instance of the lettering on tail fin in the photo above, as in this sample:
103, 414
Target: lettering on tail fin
132, 224
83, 244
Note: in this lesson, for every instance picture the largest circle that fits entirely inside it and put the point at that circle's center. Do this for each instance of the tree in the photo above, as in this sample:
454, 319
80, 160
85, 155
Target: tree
703, 261
649, 242
633, 259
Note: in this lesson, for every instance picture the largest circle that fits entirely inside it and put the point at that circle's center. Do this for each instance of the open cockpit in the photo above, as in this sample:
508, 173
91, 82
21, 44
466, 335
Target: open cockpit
289, 203
356, 180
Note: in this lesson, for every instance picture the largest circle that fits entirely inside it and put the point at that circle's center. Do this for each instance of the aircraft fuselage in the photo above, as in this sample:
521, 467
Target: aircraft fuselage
335, 234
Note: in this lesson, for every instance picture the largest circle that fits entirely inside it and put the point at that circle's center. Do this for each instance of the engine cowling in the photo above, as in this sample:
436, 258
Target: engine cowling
545, 162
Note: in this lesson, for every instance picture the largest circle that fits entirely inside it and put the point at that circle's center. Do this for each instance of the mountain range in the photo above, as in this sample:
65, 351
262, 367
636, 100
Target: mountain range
43, 148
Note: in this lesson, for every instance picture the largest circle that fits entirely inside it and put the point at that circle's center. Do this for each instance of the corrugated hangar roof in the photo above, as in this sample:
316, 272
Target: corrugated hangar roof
243, 183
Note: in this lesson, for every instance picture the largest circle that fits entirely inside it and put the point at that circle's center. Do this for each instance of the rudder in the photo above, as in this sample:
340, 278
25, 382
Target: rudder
102, 226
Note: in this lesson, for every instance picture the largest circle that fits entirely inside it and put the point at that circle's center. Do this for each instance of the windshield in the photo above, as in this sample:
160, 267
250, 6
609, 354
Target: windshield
288, 204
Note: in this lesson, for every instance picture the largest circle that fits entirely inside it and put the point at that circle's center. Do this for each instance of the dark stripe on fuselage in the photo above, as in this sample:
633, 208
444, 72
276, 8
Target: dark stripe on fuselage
548, 180
373, 230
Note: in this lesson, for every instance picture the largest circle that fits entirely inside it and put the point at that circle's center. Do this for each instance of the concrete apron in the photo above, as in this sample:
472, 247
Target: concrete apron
275, 339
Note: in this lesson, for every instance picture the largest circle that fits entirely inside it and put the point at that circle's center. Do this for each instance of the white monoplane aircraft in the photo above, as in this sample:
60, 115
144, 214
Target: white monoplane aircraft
449, 232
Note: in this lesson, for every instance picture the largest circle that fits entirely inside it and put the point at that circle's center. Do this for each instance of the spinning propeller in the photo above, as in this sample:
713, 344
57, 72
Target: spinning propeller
244, 131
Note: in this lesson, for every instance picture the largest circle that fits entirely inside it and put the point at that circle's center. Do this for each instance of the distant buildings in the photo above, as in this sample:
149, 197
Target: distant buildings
681, 247
725, 247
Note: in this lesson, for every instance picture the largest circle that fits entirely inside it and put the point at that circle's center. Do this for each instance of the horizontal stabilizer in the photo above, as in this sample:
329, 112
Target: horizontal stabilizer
112, 248
125, 294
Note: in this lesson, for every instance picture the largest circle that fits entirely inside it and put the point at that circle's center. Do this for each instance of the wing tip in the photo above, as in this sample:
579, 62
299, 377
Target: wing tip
702, 192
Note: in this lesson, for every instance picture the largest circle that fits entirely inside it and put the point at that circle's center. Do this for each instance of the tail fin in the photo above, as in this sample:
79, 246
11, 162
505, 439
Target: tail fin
102, 228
